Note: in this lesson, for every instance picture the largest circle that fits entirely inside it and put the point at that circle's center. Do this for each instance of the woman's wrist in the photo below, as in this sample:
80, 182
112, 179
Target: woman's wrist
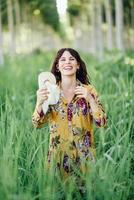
38, 107
90, 98
92, 103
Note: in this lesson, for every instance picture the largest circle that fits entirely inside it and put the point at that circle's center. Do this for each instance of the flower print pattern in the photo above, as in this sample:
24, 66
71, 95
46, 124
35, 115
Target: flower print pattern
100, 122
87, 139
69, 163
55, 141
66, 165
81, 103
72, 139
72, 145
77, 160
77, 131
41, 113
85, 153
84, 143
70, 112
53, 128
59, 108
63, 114
49, 156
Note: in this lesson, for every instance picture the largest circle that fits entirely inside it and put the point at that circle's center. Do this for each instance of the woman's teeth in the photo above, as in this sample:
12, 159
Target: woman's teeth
68, 68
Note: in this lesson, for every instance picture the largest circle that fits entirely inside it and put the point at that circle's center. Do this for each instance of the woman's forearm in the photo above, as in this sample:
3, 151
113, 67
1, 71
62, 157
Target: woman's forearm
93, 104
97, 110
38, 107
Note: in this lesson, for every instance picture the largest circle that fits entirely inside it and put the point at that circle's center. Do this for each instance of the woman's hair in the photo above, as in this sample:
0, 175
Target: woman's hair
81, 73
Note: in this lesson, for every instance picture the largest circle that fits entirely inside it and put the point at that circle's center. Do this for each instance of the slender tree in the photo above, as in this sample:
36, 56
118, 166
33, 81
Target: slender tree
11, 27
109, 20
93, 25
96, 23
17, 12
1, 41
100, 46
132, 13
119, 24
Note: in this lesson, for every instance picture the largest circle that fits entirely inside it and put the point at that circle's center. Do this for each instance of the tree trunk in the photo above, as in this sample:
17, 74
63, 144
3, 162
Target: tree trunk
119, 24
100, 47
17, 12
25, 13
109, 23
11, 27
96, 23
93, 25
1, 41
132, 14
77, 33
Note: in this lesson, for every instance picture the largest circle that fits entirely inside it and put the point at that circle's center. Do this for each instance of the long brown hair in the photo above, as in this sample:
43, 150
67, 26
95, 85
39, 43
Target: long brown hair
81, 73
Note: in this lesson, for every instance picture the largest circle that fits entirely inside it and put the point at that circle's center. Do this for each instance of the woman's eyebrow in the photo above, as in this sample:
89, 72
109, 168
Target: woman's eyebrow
65, 57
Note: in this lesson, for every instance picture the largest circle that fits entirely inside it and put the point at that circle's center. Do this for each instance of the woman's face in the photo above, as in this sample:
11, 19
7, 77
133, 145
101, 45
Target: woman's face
67, 64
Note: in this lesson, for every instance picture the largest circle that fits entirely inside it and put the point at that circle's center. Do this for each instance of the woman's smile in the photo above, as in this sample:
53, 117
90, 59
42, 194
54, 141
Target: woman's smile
68, 68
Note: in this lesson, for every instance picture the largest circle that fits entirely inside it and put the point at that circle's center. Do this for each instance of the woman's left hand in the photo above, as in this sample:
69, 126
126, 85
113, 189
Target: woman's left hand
81, 92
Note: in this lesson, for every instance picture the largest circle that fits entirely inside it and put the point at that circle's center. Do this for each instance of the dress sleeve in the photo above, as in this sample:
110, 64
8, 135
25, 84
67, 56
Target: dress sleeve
99, 116
39, 119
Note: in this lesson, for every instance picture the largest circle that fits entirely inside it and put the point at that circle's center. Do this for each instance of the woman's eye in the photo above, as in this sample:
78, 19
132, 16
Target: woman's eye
63, 59
71, 58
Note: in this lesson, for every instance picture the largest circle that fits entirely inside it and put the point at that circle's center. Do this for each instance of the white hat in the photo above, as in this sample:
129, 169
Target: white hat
46, 76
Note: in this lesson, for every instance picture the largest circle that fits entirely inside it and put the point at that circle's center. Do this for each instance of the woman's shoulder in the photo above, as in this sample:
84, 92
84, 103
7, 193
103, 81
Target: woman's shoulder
88, 86
91, 88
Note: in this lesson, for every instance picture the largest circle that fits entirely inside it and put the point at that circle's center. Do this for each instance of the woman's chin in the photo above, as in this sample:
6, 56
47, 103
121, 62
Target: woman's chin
68, 73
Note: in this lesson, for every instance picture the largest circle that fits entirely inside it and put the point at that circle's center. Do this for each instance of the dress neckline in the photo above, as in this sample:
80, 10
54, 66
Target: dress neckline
78, 83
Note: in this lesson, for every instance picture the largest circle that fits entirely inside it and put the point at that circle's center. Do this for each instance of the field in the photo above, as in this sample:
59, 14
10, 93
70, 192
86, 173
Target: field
23, 149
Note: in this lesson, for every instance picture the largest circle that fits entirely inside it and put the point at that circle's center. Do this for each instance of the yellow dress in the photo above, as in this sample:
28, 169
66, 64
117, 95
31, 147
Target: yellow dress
71, 130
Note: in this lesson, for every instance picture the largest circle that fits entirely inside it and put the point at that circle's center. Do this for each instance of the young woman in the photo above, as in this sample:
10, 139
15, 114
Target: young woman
71, 119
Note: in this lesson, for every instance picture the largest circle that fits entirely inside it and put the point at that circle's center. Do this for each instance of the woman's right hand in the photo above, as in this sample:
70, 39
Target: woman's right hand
42, 95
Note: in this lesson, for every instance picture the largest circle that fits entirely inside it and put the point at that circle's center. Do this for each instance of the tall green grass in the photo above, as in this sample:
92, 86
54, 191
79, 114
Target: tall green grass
23, 149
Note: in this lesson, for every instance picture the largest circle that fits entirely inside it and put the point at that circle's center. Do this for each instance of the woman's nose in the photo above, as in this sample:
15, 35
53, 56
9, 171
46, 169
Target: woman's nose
67, 61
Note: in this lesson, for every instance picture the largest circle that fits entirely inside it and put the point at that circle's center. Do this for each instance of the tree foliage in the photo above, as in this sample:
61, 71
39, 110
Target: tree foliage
49, 13
75, 8
47, 9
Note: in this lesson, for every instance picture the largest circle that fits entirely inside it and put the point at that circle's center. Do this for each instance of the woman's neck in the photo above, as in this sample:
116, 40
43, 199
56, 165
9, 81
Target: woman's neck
68, 83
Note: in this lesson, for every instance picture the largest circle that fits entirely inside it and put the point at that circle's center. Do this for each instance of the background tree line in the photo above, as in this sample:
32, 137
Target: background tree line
95, 25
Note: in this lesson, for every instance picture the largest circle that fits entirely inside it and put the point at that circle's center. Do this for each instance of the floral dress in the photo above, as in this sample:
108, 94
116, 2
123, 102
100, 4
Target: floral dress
71, 130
